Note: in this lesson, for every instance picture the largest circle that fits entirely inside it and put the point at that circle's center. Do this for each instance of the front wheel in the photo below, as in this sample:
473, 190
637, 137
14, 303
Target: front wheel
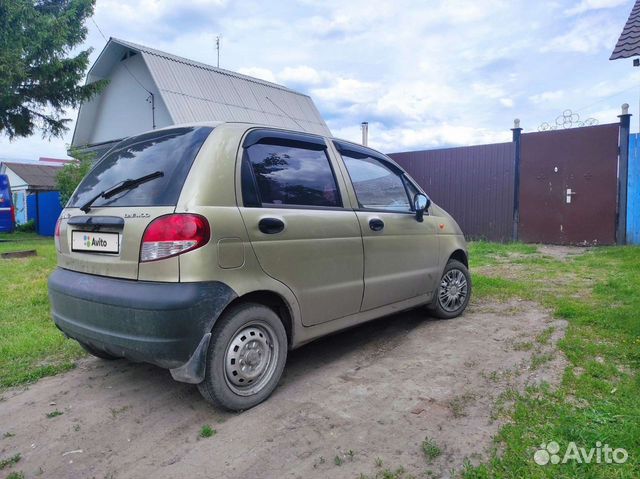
453, 292
246, 357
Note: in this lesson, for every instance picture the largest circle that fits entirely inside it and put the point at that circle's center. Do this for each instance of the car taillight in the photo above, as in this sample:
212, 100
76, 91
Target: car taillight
56, 236
172, 235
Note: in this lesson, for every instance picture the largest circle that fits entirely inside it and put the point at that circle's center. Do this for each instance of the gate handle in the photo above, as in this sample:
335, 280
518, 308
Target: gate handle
376, 224
271, 226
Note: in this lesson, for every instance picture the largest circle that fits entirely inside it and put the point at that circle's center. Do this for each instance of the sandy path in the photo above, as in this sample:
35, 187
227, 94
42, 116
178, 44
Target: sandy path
376, 390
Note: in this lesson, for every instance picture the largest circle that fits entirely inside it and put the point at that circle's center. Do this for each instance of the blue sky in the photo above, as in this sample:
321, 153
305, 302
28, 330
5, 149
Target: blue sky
425, 74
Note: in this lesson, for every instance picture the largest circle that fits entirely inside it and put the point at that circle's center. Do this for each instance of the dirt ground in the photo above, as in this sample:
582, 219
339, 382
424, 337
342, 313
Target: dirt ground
372, 392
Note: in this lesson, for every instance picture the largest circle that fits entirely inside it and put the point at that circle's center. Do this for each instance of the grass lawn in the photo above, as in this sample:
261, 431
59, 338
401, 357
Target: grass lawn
598, 400
30, 345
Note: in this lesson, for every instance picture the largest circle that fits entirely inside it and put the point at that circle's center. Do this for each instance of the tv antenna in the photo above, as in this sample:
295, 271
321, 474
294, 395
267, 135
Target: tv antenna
218, 37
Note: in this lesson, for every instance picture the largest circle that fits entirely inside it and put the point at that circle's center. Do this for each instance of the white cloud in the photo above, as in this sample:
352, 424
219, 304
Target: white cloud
547, 96
257, 72
487, 89
412, 138
588, 5
506, 102
302, 75
586, 35
348, 90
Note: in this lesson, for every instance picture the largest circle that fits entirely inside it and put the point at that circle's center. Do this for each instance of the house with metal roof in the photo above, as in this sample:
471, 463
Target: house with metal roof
628, 44
150, 89
34, 192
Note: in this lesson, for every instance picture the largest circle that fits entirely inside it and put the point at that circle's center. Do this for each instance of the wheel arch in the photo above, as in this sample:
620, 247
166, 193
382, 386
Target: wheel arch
271, 300
460, 255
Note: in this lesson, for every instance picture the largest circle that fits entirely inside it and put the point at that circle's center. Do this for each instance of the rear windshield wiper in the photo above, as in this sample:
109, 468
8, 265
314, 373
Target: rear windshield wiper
119, 187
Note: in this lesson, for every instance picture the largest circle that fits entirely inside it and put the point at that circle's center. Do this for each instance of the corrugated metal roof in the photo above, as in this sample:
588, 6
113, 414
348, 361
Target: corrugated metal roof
629, 42
193, 91
38, 177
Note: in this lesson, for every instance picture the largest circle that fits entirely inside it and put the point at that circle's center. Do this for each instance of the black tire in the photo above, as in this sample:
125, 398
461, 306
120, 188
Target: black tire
439, 308
248, 340
98, 353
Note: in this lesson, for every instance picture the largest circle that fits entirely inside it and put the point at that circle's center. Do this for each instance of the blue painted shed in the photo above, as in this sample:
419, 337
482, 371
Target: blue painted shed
33, 188
44, 207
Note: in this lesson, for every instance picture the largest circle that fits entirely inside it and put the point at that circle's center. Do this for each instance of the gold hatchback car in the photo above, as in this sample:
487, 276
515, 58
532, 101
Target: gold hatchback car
212, 249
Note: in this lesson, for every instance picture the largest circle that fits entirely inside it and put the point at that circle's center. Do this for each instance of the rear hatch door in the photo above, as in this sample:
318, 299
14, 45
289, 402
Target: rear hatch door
140, 179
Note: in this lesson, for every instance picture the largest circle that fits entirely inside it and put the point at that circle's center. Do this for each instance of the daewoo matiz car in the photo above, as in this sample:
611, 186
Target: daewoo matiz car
213, 249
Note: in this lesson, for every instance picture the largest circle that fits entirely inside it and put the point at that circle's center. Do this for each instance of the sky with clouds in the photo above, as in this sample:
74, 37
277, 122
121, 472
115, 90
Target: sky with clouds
424, 74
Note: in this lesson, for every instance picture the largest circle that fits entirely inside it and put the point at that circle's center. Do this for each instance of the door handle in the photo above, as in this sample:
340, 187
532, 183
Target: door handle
271, 226
376, 224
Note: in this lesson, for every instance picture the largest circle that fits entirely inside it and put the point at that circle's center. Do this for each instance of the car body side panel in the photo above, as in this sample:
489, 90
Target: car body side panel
318, 255
401, 260
219, 164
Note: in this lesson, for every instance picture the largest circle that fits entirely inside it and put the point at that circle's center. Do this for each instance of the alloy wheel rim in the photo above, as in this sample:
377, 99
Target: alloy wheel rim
453, 290
251, 358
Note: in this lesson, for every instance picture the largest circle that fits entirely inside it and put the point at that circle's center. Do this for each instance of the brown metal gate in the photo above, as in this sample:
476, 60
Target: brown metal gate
568, 186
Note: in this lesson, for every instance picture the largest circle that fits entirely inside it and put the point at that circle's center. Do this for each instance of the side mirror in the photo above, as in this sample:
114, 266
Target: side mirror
421, 203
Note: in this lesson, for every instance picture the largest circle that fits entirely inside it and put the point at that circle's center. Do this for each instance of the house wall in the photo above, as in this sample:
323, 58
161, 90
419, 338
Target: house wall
18, 193
15, 181
123, 108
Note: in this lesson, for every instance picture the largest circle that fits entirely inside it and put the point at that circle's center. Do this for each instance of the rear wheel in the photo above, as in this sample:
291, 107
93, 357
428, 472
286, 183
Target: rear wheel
454, 291
97, 352
246, 357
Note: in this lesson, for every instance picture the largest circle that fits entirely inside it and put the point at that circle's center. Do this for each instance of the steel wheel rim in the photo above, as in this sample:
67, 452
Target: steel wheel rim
251, 358
453, 290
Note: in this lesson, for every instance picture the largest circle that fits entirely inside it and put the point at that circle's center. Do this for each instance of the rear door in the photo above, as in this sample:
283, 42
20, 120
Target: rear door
105, 239
302, 232
401, 258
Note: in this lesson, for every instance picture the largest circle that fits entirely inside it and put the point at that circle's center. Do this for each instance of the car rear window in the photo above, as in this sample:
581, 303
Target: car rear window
170, 151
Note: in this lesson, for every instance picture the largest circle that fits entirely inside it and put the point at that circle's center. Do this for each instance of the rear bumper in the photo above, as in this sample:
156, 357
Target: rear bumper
160, 323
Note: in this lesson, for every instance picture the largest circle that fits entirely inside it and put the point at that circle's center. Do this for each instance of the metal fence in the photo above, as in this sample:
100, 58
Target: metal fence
474, 184
568, 186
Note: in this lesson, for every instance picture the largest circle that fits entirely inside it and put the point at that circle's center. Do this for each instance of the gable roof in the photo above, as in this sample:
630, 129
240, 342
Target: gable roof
37, 177
195, 92
629, 42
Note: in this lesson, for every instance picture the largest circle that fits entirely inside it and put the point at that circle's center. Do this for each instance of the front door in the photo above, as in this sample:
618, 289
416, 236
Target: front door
302, 235
400, 253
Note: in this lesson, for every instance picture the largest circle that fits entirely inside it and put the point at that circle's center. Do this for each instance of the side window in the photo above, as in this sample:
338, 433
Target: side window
376, 185
291, 174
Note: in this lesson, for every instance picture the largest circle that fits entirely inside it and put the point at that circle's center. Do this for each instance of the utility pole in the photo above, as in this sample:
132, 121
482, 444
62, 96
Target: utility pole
218, 48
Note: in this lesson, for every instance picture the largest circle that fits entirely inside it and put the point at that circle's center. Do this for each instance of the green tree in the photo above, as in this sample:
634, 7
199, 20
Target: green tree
71, 174
40, 77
